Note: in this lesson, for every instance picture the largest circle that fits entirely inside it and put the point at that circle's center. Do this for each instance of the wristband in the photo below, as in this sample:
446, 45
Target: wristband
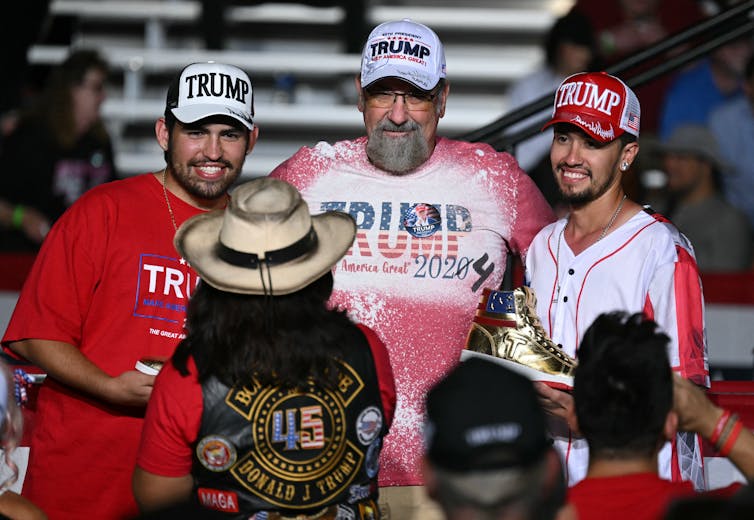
17, 219
732, 436
721, 422
726, 432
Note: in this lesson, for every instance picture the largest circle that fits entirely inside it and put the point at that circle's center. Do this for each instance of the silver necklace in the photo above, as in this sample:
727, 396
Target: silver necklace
602, 235
167, 200
612, 219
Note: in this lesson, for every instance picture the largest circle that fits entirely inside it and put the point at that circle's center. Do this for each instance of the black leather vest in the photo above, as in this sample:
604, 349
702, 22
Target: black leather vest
294, 453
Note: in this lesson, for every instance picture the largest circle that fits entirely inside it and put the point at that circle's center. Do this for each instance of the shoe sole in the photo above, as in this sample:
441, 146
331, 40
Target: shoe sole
558, 382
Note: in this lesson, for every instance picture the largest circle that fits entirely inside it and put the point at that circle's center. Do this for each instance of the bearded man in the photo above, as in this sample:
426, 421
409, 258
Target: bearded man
437, 219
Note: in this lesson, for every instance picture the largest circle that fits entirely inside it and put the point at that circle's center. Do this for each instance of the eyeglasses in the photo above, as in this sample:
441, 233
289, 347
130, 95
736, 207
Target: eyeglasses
416, 101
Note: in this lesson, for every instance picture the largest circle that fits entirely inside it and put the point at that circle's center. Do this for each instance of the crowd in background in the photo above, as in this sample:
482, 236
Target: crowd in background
694, 171
704, 186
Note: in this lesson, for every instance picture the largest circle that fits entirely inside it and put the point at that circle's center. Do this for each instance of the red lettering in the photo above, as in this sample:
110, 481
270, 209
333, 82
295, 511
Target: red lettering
219, 500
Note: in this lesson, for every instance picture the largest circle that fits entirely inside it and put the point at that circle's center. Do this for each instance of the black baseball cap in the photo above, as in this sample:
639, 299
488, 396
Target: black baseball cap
482, 416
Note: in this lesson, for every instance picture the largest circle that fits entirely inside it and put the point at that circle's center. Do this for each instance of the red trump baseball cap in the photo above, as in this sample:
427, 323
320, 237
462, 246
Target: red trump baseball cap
600, 104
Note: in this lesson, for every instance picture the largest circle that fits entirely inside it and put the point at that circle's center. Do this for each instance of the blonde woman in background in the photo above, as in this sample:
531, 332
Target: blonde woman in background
12, 505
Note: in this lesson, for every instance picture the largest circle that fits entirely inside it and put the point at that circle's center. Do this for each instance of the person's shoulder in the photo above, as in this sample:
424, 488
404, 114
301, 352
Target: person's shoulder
534, 84
541, 237
728, 215
659, 230
128, 186
481, 151
692, 77
369, 333
731, 110
29, 129
100, 199
324, 152
550, 228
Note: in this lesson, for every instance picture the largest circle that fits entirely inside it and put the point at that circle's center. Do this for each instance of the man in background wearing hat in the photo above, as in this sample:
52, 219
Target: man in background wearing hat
273, 402
718, 230
109, 288
12, 505
491, 458
437, 219
607, 254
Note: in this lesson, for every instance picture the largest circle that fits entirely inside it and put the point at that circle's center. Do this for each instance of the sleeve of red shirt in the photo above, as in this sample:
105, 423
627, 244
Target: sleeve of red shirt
384, 372
171, 423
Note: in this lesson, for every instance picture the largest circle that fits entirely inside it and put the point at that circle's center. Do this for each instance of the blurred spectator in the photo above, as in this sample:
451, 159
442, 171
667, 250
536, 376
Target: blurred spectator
697, 413
487, 454
570, 47
625, 27
59, 149
696, 91
733, 125
23, 24
12, 505
718, 231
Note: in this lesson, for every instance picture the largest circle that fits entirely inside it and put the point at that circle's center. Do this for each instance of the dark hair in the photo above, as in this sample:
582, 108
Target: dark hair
573, 28
55, 107
286, 340
623, 386
626, 138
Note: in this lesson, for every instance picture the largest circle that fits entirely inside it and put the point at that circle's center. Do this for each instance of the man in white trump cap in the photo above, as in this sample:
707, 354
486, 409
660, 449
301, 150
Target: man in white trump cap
109, 288
437, 220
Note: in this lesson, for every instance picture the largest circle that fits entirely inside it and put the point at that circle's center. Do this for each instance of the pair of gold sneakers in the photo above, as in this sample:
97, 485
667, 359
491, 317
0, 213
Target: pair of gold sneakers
507, 330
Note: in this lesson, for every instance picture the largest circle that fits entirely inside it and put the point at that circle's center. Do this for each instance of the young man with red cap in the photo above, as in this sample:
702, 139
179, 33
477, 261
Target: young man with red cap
608, 253
437, 220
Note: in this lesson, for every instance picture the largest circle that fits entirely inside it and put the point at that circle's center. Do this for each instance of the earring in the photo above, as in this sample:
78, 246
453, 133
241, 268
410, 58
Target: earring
624, 166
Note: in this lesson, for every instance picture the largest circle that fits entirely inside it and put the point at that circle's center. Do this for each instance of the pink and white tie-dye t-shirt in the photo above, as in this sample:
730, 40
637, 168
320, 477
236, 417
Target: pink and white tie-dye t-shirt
428, 242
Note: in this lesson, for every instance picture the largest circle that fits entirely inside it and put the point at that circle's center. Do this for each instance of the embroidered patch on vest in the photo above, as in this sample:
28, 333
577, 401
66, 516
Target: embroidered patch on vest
216, 453
302, 455
369, 425
226, 501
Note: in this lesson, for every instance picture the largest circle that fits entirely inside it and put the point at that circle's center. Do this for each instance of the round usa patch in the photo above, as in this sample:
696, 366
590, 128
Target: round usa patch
368, 425
216, 453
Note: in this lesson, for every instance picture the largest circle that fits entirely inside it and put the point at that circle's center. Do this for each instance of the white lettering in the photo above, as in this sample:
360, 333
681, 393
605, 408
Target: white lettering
589, 96
173, 278
153, 270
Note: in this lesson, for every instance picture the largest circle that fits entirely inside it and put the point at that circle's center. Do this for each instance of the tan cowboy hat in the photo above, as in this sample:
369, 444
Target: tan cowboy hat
265, 241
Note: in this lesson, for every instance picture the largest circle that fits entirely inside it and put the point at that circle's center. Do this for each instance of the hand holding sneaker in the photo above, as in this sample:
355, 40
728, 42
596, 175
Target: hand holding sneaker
558, 403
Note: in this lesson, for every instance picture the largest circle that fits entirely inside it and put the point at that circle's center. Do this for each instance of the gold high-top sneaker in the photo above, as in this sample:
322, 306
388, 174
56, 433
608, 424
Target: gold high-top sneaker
506, 327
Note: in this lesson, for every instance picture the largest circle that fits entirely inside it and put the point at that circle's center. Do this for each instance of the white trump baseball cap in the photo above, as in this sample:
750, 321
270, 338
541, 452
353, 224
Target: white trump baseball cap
405, 50
211, 89
600, 104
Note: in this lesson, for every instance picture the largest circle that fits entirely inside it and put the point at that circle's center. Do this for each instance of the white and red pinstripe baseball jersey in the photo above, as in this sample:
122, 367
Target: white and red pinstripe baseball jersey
644, 265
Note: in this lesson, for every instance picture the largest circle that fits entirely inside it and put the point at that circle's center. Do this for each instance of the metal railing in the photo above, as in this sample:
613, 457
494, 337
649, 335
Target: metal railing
700, 39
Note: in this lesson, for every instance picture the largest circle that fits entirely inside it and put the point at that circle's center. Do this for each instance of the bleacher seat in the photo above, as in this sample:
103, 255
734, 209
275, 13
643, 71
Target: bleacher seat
488, 45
